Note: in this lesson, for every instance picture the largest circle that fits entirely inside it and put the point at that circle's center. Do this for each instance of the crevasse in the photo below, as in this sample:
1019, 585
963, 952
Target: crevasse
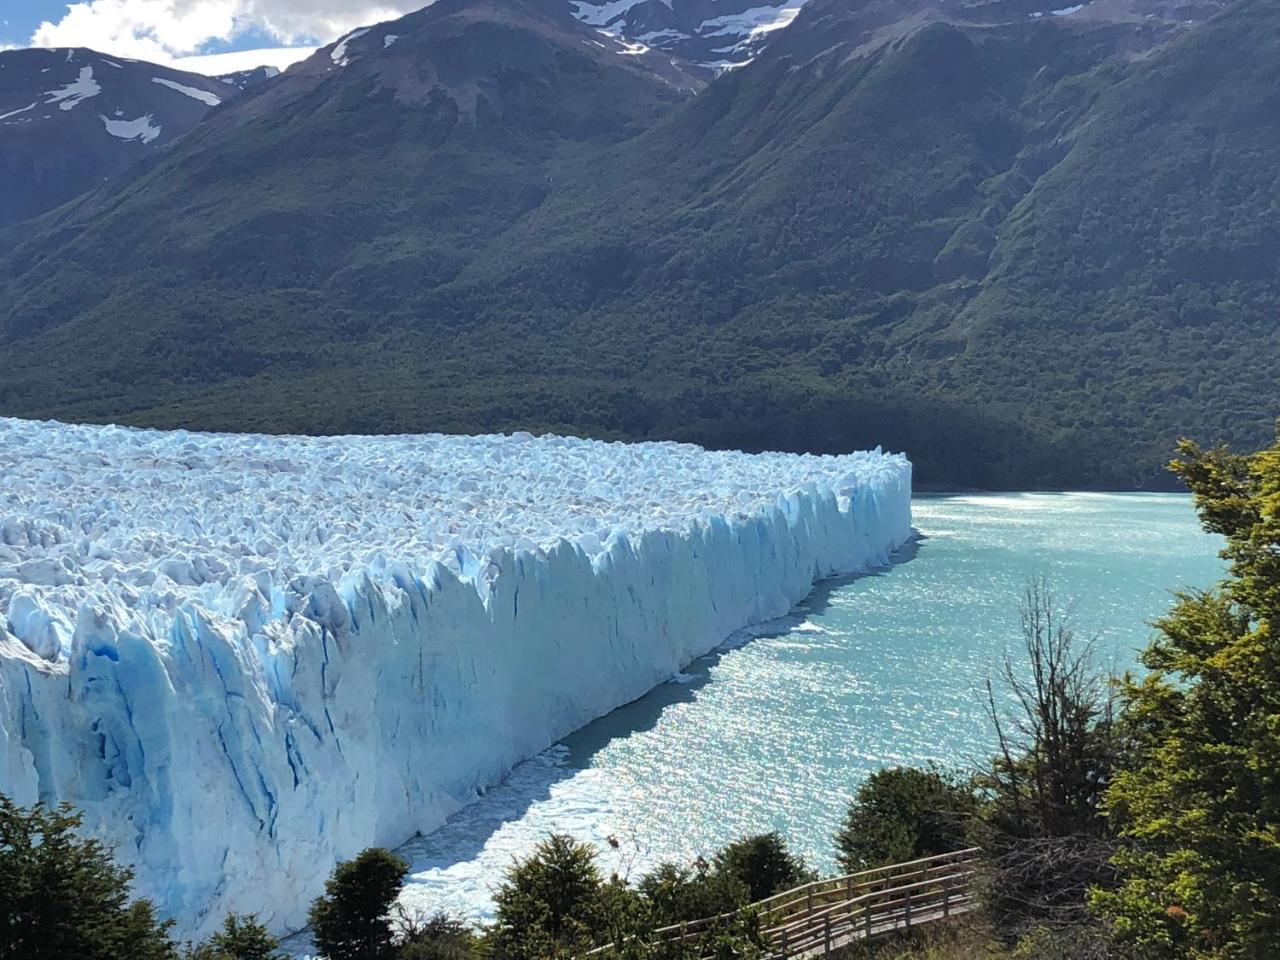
247, 657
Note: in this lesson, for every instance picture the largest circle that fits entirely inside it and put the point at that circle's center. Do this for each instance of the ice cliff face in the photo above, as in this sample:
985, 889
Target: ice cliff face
245, 657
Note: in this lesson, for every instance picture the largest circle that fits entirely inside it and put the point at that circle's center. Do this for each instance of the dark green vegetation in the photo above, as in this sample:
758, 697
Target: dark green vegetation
350, 919
1011, 248
903, 813
1198, 809
63, 896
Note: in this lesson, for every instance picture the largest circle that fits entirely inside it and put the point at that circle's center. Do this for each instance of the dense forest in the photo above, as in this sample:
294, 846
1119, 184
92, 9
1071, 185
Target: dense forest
1028, 252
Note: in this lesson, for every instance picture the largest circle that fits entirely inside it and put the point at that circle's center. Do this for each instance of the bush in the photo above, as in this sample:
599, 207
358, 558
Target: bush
438, 937
241, 938
552, 904
675, 893
762, 864
62, 896
904, 813
351, 921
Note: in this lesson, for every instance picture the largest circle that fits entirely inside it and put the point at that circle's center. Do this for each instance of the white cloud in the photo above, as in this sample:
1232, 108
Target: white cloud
166, 30
216, 64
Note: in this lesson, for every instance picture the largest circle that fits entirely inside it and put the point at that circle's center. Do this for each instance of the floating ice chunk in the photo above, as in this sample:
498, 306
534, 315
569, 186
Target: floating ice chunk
204, 96
143, 129
76, 92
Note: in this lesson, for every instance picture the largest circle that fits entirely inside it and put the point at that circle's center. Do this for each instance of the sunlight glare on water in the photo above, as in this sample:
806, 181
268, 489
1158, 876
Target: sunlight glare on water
777, 731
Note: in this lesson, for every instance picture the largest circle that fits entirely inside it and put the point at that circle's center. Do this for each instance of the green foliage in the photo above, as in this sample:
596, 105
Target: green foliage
351, 920
763, 865
63, 896
904, 813
553, 904
1199, 807
241, 938
674, 893
438, 937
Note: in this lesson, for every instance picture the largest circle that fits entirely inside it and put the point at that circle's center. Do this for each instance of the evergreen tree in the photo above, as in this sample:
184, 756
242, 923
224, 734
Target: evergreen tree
903, 813
1199, 807
553, 904
352, 920
241, 938
63, 896
763, 864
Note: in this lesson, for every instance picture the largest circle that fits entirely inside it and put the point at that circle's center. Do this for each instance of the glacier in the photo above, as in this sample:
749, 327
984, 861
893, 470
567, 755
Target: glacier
246, 657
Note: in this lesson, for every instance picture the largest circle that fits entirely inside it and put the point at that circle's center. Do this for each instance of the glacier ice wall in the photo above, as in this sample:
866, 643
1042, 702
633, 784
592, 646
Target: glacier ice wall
245, 657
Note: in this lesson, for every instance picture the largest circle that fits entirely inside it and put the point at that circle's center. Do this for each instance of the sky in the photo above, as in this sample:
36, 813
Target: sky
210, 36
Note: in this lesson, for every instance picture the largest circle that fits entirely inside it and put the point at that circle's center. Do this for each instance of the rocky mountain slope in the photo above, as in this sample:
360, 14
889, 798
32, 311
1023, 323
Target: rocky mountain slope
70, 119
1030, 250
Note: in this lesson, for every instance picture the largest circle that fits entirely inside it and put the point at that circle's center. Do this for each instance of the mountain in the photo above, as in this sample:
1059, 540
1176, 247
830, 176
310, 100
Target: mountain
1029, 250
71, 119
725, 34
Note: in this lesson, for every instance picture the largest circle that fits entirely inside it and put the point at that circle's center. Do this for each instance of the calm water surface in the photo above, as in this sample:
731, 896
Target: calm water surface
776, 731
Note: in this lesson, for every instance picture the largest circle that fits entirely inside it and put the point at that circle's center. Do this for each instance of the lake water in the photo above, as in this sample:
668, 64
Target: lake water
776, 731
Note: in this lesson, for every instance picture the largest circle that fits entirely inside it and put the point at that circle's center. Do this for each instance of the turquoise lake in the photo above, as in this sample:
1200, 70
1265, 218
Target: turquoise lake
776, 730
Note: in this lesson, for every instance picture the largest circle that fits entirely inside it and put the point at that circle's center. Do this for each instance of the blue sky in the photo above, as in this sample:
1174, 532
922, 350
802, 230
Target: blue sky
244, 32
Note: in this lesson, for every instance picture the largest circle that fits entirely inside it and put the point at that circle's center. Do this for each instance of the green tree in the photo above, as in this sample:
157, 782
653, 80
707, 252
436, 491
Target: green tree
351, 921
64, 896
763, 864
437, 937
552, 904
241, 938
674, 893
1199, 808
902, 813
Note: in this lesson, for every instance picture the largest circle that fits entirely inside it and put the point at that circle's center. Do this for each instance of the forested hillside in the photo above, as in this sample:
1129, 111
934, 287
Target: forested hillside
1030, 250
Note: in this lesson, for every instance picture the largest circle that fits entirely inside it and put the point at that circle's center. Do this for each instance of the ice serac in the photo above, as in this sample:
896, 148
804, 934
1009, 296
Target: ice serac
246, 657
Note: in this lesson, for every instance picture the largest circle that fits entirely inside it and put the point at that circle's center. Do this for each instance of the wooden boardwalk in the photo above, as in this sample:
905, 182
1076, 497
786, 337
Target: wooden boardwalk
815, 919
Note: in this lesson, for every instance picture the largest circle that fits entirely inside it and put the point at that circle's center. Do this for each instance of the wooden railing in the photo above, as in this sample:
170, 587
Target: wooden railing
816, 918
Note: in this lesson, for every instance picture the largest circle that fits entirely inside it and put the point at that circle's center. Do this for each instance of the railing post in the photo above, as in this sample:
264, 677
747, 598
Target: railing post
868, 909
809, 897
909, 893
827, 933
946, 897
785, 952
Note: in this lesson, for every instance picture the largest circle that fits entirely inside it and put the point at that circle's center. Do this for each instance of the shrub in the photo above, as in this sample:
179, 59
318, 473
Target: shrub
552, 904
351, 921
903, 813
675, 893
241, 938
438, 937
63, 896
762, 864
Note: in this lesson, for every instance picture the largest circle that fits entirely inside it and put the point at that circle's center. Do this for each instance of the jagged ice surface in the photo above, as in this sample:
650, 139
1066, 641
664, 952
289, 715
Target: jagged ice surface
245, 657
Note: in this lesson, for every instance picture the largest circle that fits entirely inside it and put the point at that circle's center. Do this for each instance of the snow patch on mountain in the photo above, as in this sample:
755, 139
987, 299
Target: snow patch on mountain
144, 129
77, 91
14, 113
245, 657
339, 53
753, 23
204, 96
